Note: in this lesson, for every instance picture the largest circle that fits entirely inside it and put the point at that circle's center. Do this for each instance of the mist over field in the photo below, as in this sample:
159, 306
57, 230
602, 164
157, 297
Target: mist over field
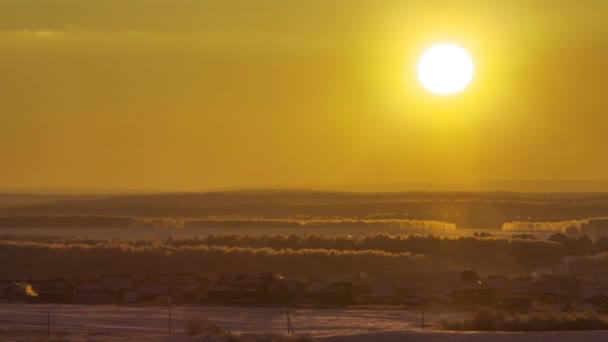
292, 255
319, 232
441, 210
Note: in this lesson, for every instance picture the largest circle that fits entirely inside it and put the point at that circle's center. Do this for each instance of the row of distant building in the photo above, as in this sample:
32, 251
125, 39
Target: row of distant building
397, 288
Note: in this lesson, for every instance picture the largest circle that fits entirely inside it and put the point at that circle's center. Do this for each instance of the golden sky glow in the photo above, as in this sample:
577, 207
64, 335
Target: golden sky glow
192, 95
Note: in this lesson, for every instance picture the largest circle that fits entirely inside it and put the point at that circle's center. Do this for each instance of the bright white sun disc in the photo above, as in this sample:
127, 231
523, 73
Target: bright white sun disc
445, 69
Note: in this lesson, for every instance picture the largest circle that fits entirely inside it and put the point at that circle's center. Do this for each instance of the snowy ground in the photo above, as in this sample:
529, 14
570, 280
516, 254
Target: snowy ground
113, 319
431, 336
28, 322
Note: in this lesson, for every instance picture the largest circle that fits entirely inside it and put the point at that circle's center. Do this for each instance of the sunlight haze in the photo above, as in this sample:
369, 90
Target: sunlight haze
194, 95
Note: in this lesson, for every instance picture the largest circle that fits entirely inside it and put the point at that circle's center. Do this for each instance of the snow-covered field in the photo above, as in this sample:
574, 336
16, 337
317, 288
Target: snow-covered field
113, 319
28, 322
433, 336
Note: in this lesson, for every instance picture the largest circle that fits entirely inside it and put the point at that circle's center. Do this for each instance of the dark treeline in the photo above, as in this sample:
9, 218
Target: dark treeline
464, 209
84, 221
66, 221
39, 259
287, 254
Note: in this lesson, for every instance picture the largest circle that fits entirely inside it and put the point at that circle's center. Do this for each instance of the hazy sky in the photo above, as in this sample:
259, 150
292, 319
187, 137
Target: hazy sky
195, 94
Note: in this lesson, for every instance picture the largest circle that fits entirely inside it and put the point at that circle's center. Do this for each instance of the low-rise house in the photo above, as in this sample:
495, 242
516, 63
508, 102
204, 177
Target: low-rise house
184, 290
118, 283
555, 288
425, 293
568, 283
12, 291
498, 282
597, 297
514, 303
381, 293
500, 285
549, 292
437, 277
152, 291
222, 290
129, 297
178, 278
472, 290
185, 287
334, 292
546, 289
286, 291
473, 294
84, 278
93, 293
254, 281
470, 277
242, 286
52, 291
413, 288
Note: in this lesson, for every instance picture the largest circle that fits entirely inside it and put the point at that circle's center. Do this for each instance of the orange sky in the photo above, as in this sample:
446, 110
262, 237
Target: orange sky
193, 95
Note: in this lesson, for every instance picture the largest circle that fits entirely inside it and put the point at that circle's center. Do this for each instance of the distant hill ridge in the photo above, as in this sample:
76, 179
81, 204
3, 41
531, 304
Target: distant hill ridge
465, 209
498, 185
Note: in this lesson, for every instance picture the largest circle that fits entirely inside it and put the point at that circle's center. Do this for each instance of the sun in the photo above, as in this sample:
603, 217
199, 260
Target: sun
445, 69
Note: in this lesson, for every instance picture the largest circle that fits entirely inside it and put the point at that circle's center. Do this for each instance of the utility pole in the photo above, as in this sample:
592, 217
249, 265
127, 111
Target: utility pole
423, 318
289, 325
167, 304
169, 308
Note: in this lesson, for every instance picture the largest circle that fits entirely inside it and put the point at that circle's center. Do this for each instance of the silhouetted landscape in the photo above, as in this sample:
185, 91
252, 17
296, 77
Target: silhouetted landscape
303, 170
486, 261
